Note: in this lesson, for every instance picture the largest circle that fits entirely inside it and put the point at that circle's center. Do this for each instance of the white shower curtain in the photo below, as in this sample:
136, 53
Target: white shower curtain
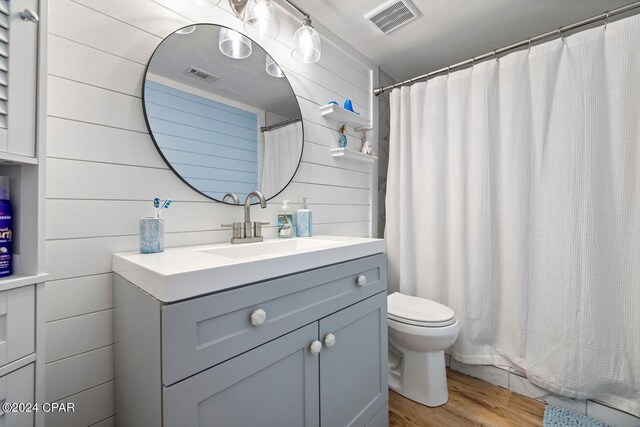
281, 155
514, 197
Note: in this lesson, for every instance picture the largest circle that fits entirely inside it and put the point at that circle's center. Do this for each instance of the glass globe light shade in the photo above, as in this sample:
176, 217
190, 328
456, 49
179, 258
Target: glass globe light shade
261, 19
307, 48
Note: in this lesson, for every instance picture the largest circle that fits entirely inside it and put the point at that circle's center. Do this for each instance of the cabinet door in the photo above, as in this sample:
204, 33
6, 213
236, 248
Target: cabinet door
18, 60
17, 323
17, 387
353, 371
275, 384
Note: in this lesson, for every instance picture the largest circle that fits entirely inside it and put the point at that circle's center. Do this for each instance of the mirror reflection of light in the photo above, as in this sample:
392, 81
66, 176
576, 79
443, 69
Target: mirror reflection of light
233, 44
273, 69
186, 30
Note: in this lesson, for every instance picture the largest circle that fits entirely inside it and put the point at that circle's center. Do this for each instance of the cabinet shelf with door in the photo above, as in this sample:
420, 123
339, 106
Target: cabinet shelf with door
23, 75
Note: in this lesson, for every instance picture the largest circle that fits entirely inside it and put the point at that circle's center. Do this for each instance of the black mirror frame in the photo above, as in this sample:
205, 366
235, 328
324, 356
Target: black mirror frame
155, 143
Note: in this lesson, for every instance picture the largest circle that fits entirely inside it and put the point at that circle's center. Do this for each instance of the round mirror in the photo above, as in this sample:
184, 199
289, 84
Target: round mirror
222, 113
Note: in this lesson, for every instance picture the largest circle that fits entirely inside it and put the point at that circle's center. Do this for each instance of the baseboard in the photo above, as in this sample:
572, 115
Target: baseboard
509, 378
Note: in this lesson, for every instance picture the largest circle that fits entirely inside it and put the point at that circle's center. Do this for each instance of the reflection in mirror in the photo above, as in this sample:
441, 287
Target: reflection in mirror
223, 124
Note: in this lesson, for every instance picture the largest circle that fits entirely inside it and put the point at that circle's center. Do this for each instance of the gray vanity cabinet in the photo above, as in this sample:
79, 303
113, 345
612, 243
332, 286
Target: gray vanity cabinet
317, 358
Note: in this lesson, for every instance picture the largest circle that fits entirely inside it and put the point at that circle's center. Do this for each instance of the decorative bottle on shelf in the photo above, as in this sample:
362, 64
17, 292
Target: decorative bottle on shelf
304, 220
285, 222
342, 141
6, 229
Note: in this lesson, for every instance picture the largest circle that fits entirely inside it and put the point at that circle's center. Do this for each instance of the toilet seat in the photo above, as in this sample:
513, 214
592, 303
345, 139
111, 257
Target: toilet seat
420, 312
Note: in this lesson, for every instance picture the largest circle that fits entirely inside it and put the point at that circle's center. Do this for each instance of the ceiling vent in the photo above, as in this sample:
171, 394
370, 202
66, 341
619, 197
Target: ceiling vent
201, 74
392, 15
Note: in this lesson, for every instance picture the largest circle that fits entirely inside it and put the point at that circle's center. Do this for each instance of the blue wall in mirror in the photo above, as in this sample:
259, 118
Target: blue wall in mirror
211, 145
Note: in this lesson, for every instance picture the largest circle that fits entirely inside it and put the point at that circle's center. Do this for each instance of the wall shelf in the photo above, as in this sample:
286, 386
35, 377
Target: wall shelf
340, 115
10, 159
19, 280
353, 155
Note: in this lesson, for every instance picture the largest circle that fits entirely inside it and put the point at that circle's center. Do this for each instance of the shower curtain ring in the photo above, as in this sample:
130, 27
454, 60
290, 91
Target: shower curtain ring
606, 20
529, 41
495, 54
560, 33
448, 71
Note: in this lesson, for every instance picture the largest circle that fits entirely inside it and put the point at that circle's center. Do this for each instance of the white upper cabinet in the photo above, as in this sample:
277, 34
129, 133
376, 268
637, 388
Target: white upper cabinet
18, 62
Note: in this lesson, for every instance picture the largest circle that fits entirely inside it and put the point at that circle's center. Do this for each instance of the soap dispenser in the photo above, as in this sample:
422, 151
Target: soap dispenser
304, 220
285, 222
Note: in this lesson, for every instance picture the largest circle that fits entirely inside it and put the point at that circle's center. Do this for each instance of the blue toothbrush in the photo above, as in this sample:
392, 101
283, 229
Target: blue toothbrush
156, 205
165, 205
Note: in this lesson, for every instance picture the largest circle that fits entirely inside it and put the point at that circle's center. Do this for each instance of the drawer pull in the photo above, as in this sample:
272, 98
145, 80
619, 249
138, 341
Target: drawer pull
258, 317
329, 340
362, 280
315, 347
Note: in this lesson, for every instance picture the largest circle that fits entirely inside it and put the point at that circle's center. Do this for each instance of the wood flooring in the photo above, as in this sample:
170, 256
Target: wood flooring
472, 402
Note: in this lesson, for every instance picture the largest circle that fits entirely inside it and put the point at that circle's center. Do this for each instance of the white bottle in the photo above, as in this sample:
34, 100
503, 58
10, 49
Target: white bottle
285, 222
304, 220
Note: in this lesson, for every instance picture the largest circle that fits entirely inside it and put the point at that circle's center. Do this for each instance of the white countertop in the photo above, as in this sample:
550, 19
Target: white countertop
190, 271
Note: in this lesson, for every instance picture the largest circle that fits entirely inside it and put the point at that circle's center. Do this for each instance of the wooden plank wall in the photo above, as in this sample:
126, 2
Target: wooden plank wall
103, 170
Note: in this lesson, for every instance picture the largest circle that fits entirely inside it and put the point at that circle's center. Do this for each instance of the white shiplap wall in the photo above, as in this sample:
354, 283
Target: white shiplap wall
103, 170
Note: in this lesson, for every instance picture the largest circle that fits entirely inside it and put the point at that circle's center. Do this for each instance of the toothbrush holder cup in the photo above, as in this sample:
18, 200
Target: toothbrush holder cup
151, 235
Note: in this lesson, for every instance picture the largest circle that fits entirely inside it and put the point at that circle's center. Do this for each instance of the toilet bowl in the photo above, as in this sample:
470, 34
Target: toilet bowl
420, 330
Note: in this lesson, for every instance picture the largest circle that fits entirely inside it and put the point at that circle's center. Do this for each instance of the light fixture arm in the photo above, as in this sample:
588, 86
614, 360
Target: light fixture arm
238, 7
307, 17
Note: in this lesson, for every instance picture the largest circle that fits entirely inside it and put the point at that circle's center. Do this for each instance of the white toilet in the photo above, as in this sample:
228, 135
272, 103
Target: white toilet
419, 332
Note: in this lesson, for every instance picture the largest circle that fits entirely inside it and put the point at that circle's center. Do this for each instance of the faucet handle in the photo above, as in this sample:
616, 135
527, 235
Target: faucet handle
257, 228
237, 229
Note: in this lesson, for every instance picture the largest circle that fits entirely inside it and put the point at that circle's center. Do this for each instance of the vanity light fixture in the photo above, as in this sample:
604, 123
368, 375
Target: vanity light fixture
273, 69
261, 20
233, 44
307, 47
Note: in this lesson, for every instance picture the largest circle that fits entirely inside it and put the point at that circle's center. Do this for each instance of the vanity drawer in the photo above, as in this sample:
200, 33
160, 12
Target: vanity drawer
17, 323
200, 333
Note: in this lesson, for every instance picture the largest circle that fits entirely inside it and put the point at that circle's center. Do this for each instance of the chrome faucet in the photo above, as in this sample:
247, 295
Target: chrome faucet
251, 232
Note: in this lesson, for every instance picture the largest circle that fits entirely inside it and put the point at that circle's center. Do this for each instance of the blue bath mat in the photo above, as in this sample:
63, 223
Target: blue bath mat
558, 417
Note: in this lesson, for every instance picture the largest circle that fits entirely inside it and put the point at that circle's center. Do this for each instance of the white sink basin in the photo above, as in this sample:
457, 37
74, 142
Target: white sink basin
268, 248
190, 271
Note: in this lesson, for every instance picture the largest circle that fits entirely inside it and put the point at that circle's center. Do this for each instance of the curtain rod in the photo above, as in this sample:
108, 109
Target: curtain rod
281, 124
605, 15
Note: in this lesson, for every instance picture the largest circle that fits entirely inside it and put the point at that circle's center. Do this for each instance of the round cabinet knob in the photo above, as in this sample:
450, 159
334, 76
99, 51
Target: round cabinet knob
315, 347
258, 317
362, 280
329, 340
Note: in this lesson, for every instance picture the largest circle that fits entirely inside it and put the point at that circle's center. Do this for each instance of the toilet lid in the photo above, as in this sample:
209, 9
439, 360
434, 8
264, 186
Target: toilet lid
418, 311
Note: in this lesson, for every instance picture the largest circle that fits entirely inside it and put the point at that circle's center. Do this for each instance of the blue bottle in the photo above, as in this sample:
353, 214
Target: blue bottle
6, 229
304, 220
